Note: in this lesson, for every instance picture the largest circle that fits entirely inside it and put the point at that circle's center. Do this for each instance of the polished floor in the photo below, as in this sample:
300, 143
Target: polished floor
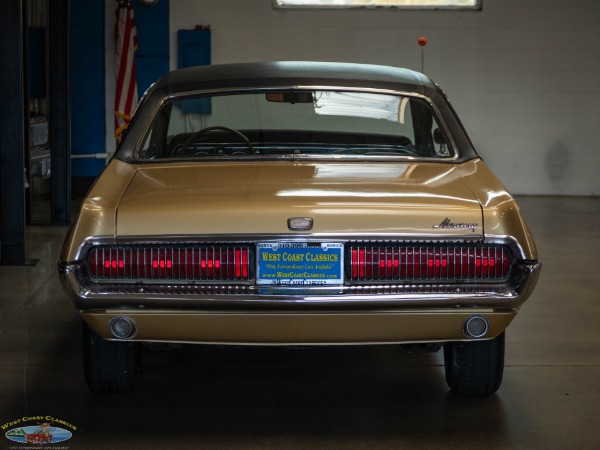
369, 397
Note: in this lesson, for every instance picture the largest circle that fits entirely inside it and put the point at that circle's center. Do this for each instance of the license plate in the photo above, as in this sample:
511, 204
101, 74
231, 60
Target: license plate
300, 264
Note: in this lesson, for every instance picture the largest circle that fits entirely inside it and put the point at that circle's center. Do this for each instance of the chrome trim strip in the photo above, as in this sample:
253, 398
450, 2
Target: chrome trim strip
313, 237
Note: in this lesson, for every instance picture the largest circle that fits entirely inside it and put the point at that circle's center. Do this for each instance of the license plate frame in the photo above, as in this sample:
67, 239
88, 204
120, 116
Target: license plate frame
300, 264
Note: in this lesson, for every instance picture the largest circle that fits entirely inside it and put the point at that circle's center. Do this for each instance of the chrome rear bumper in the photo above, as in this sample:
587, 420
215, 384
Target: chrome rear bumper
90, 296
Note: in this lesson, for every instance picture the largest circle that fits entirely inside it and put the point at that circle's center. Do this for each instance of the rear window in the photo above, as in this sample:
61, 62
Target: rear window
295, 123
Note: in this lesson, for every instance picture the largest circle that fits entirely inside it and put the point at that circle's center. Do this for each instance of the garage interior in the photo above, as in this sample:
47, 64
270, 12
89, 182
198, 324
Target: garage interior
523, 77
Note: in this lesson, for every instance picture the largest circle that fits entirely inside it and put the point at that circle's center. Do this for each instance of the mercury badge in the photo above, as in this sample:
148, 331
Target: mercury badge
448, 224
300, 223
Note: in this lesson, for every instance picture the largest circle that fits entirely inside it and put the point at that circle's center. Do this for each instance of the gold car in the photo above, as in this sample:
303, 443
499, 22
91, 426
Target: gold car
298, 203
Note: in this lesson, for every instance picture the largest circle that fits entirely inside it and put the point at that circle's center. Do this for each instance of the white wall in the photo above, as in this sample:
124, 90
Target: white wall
523, 75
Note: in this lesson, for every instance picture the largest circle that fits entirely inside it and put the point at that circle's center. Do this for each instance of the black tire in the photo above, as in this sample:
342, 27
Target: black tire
110, 366
474, 368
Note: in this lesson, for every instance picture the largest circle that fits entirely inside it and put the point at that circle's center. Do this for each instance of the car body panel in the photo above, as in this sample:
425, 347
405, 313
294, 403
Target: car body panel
97, 216
501, 214
301, 328
259, 198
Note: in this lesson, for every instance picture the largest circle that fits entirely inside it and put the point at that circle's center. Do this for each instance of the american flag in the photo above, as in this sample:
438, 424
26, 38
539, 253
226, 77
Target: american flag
126, 96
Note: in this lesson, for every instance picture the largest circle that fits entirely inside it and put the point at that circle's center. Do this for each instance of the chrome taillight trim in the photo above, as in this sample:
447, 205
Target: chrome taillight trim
414, 262
90, 242
442, 251
171, 262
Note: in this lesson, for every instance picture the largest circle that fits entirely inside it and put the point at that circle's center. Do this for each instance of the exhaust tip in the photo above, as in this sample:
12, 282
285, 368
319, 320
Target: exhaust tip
122, 327
476, 327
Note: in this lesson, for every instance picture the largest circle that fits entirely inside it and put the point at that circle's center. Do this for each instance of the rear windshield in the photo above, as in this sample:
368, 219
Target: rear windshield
295, 123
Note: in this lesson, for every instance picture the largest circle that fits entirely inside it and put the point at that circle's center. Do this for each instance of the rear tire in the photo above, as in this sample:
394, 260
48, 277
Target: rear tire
110, 366
476, 367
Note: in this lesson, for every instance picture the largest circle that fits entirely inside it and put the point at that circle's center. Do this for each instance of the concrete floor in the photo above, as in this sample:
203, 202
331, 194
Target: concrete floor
368, 397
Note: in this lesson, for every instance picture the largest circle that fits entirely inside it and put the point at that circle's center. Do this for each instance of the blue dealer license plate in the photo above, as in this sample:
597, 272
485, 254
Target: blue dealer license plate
300, 263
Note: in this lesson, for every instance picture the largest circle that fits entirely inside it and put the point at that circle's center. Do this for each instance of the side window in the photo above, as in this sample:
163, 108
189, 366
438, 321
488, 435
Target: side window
156, 142
429, 138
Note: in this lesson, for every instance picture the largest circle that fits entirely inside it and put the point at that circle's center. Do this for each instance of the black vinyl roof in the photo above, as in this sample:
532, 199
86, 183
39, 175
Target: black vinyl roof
293, 73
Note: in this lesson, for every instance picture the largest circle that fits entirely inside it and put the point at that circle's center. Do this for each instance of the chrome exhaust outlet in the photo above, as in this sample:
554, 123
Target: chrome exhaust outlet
476, 327
122, 327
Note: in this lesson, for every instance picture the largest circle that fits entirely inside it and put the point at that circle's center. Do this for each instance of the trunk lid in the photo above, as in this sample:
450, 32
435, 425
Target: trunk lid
414, 200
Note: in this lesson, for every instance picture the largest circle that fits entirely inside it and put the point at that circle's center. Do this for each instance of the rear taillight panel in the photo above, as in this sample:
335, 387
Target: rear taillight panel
431, 262
171, 263
369, 263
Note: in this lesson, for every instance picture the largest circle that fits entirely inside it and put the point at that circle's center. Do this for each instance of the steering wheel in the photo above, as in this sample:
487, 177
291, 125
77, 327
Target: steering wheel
202, 131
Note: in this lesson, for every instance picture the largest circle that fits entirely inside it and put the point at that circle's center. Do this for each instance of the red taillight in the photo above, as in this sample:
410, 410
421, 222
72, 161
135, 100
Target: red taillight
407, 262
365, 262
210, 263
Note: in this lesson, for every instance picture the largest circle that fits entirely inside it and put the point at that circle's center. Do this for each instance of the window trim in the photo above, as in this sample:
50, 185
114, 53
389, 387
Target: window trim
477, 7
134, 157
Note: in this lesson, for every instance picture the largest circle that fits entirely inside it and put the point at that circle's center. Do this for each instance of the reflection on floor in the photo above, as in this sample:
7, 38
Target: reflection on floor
368, 397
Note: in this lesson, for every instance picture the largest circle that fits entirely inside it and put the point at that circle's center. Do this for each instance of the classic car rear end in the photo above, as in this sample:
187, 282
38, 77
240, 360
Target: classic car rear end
298, 204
